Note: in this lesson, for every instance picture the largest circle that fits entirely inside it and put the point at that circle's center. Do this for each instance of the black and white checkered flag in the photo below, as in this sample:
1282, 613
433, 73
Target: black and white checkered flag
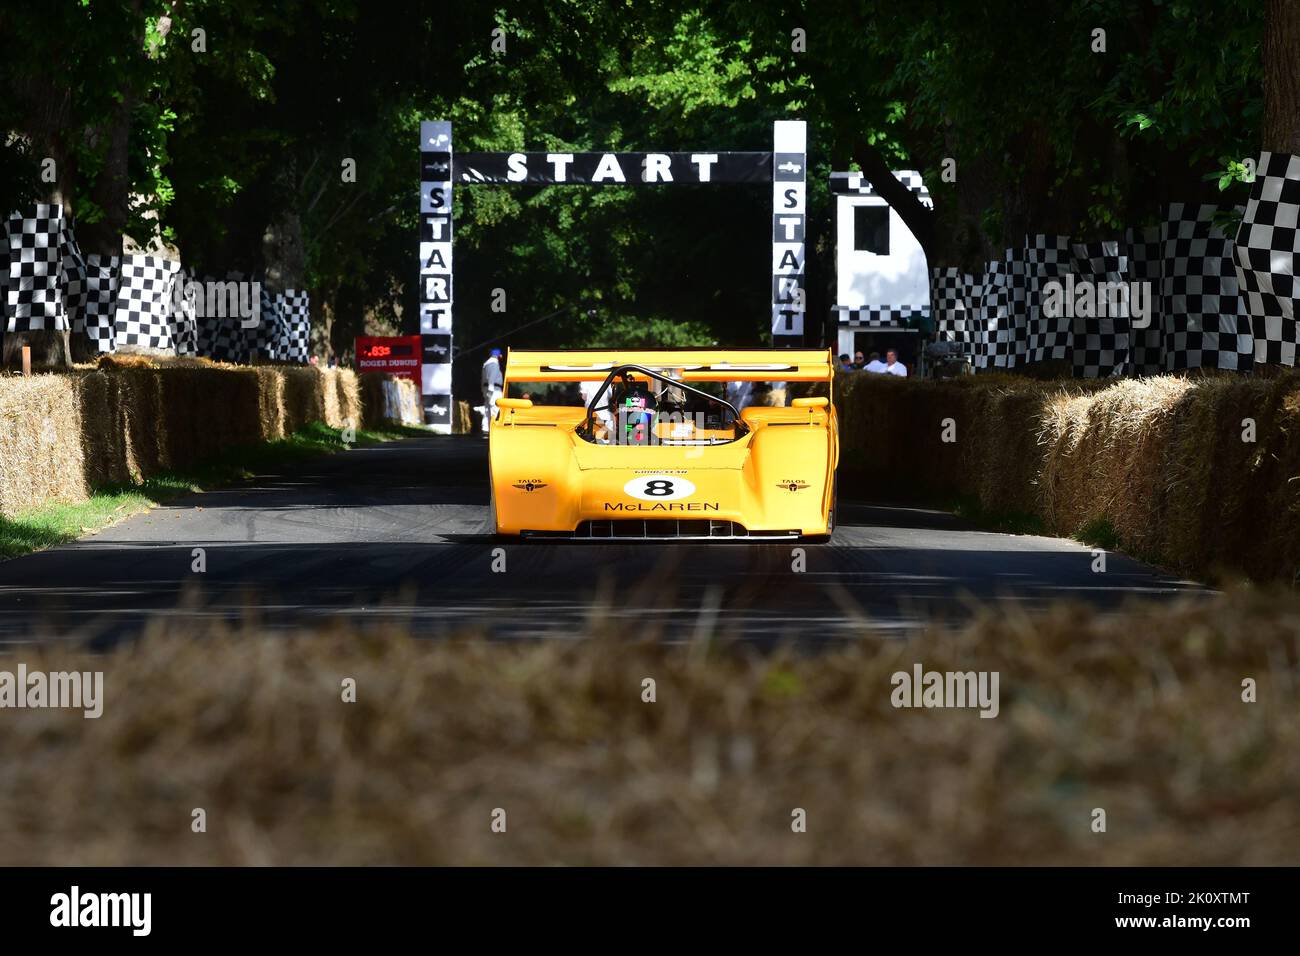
295, 307
1266, 254
1047, 259
72, 277
880, 316
264, 337
1146, 345
1204, 323
995, 335
144, 312
1017, 266
34, 299
99, 310
948, 294
1101, 341
184, 319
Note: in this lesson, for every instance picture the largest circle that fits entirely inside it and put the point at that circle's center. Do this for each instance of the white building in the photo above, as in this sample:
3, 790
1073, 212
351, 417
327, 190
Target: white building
881, 274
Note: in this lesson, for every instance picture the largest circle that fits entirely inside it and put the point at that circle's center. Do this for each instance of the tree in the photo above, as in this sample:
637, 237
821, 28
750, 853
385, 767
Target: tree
1281, 132
233, 153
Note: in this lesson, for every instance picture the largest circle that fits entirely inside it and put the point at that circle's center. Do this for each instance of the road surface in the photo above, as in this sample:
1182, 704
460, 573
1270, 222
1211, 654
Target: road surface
396, 532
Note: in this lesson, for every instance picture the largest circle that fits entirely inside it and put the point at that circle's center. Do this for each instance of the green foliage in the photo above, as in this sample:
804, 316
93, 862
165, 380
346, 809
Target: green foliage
1100, 533
1047, 134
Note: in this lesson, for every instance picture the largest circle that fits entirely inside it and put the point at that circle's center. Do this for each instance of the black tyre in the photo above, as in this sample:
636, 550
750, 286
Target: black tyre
830, 517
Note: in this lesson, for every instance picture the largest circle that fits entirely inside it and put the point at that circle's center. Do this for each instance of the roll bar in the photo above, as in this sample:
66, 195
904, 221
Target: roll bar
618, 370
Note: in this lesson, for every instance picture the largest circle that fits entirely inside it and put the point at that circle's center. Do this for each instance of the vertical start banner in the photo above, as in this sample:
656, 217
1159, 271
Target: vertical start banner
789, 215
435, 274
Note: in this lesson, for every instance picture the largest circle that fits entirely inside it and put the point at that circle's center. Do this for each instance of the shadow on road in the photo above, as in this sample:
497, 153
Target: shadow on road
395, 533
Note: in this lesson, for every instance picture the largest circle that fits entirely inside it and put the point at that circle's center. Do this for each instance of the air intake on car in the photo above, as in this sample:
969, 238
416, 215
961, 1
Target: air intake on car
660, 529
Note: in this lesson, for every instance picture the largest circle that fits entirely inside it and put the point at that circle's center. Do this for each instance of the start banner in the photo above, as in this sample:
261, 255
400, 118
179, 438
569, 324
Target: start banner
596, 169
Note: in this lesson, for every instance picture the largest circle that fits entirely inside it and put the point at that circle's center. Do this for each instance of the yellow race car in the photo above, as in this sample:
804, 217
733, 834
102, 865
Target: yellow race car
663, 444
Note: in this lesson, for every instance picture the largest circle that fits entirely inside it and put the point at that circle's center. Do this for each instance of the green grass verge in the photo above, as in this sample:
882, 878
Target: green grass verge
54, 524
1099, 533
1005, 522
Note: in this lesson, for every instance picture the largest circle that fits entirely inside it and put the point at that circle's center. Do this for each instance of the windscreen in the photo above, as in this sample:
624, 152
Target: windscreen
636, 407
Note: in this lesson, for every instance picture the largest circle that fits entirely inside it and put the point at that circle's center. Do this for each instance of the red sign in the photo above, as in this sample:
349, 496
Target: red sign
394, 354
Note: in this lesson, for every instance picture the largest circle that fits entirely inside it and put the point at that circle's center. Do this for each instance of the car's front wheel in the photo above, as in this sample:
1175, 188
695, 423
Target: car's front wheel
830, 515
491, 529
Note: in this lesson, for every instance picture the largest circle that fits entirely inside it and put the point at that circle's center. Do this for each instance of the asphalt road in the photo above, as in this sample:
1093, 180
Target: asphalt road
396, 532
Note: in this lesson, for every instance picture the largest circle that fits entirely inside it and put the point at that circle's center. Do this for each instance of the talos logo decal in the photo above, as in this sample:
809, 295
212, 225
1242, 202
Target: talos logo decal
792, 484
659, 487
532, 484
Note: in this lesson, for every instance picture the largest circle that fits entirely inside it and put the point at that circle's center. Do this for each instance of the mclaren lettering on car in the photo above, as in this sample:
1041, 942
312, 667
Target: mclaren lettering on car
687, 443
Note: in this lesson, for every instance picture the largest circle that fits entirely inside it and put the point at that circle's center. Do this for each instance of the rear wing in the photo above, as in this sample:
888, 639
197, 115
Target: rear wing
690, 365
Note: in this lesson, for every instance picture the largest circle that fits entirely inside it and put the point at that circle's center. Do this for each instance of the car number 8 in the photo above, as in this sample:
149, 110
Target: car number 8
659, 487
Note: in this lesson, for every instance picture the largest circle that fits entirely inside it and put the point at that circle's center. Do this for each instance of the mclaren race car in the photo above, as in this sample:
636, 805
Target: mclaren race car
689, 443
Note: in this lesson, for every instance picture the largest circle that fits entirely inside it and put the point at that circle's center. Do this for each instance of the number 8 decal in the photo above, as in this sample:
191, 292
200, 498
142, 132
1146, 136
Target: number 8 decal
659, 487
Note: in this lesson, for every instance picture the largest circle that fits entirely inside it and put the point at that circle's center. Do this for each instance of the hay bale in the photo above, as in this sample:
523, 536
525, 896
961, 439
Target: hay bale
103, 441
1002, 438
1278, 500
304, 401
41, 457
130, 417
348, 390
1229, 498
331, 407
206, 411
1104, 456
373, 404
467, 421
272, 413
120, 360
141, 416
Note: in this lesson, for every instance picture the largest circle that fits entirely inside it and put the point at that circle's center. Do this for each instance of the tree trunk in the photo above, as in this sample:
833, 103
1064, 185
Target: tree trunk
48, 105
110, 191
918, 218
111, 188
322, 333
284, 254
1281, 133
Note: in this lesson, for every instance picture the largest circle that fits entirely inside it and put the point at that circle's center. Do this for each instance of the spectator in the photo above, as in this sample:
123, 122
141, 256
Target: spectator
858, 360
588, 391
490, 380
846, 365
875, 365
740, 394
893, 366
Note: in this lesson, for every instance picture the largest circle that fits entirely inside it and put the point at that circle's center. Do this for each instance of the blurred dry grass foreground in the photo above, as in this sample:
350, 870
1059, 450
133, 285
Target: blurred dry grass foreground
1140, 714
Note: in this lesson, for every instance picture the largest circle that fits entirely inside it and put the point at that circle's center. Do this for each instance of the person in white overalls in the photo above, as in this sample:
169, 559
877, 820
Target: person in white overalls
490, 379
